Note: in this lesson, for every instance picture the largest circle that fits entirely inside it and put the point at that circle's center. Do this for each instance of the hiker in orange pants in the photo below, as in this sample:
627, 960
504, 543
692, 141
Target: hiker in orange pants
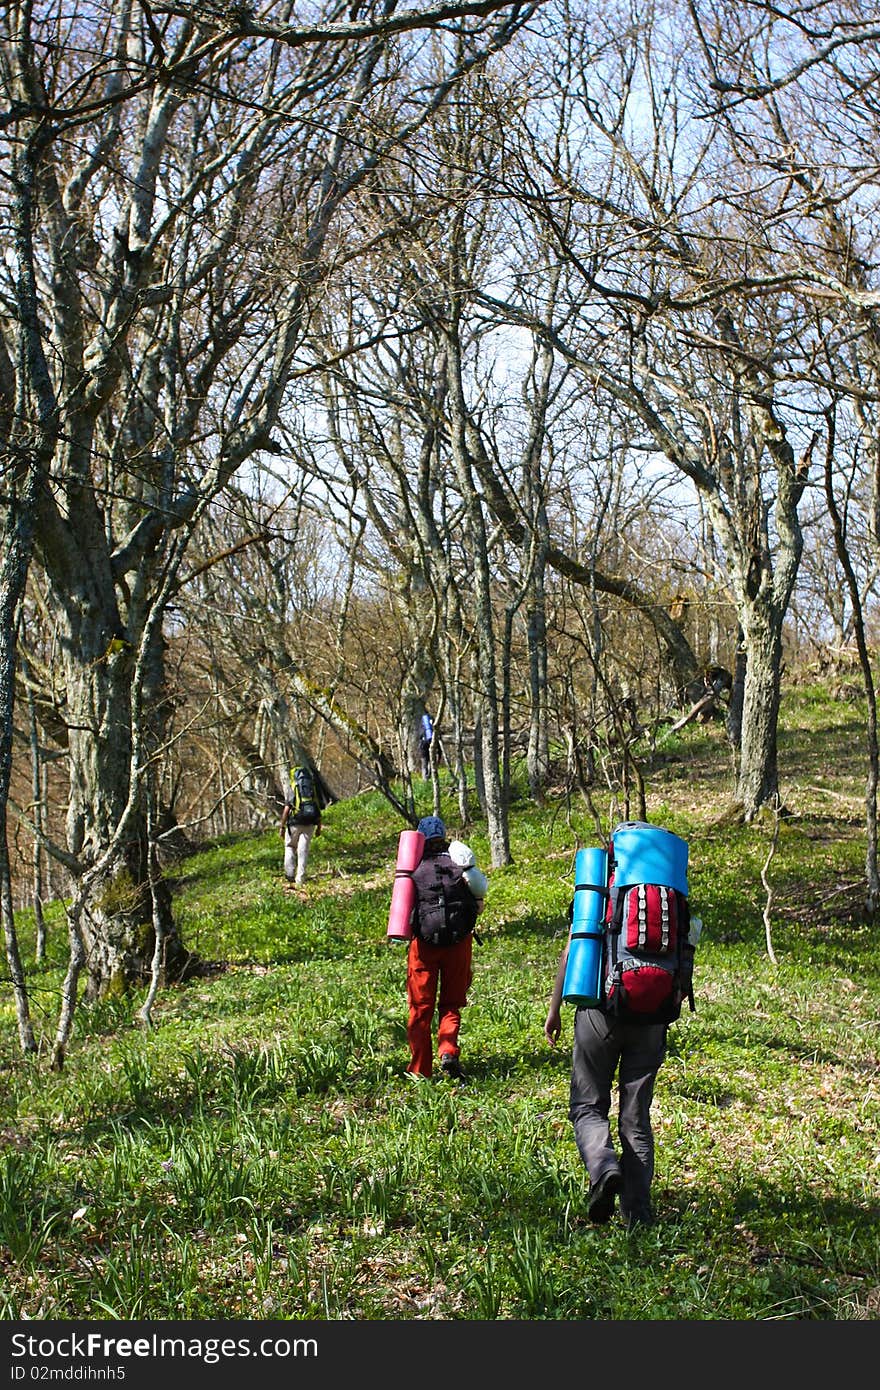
426, 966
449, 897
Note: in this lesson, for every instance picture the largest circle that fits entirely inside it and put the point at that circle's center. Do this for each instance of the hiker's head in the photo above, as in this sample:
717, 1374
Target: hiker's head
432, 828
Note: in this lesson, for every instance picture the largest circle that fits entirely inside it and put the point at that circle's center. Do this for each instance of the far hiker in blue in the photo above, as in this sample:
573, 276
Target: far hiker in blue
426, 734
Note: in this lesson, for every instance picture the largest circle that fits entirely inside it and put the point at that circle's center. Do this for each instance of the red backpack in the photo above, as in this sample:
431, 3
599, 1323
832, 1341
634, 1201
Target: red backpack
649, 959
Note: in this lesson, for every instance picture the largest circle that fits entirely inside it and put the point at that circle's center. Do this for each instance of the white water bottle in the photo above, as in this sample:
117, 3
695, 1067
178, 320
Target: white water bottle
695, 931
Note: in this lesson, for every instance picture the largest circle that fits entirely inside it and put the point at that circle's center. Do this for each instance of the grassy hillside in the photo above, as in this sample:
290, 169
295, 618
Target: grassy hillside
260, 1155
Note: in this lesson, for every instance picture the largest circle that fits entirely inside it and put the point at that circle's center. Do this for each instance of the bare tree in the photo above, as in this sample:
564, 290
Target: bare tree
797, 92
175, 178
676, 318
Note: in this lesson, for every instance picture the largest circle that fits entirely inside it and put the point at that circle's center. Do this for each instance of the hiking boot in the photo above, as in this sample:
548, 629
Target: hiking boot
600, 1203
451, 1066
638, 1218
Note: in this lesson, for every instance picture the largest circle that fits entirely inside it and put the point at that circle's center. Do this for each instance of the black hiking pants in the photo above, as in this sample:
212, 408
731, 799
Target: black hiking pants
603, 1046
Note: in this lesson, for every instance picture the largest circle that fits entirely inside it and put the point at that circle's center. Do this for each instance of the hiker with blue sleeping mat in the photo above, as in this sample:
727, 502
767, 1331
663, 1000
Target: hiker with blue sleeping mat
628, 968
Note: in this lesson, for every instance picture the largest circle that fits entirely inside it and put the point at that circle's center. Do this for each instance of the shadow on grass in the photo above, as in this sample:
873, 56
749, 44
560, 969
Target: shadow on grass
551, 925
358, 857
825, 1222
732, 1037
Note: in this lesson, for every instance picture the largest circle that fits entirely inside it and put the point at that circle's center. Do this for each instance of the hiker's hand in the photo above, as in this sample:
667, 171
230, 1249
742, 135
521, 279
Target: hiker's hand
552, 1027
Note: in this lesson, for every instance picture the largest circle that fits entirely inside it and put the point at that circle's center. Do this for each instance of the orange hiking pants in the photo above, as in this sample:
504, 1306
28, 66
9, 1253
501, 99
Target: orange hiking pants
426, 966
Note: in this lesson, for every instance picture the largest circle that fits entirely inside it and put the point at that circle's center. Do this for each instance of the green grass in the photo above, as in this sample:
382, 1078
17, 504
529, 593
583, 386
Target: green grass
259, 1155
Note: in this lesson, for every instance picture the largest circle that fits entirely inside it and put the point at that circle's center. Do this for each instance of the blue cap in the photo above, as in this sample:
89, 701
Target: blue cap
432, 828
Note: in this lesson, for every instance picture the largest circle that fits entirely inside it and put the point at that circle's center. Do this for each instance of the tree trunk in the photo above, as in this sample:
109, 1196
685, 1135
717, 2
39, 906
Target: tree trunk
26, 416
758, 772
737, 694
538, 755
17, 537
37, 782
479, 778
117, 927
872, 877
485, 674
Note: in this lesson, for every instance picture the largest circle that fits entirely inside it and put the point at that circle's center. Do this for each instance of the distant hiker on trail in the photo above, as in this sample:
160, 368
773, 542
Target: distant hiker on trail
450, 894
644, 939
425, 736
300, 821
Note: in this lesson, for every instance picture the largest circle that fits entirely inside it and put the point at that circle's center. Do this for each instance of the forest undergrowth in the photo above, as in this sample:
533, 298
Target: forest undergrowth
259, 1154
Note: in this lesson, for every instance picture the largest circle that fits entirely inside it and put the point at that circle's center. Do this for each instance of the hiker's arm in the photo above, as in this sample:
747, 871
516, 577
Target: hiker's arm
553, 1021
318, 824
284, 814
